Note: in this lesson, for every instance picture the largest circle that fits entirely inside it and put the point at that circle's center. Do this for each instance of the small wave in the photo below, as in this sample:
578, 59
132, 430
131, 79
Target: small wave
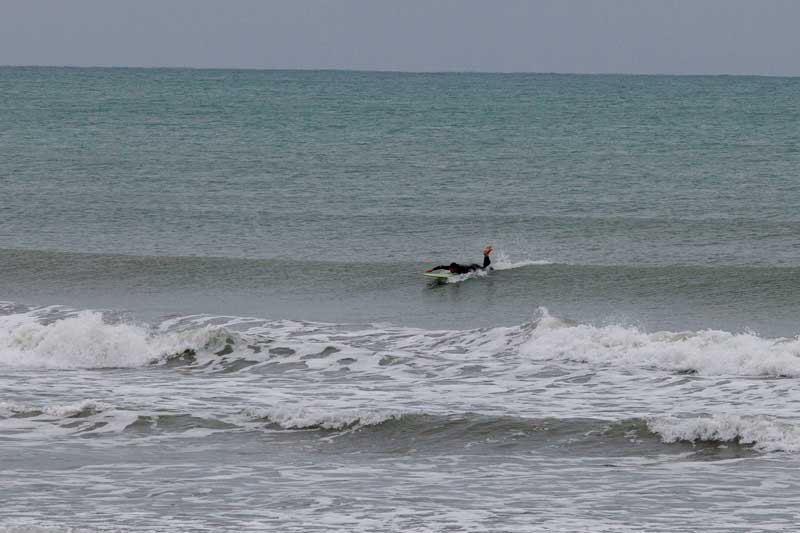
435, 428
152, 423
765, 434
80, 409
709, 352
473, 430
79, 418
76, 410
418, 430
93, 417
9, 409
85, 340
299, 417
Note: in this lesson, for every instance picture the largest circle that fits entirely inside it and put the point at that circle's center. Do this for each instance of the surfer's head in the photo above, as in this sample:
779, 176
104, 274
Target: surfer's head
453, 267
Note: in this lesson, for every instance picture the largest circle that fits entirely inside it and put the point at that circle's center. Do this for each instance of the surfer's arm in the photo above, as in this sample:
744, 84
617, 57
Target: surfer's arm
486, 260
440, 267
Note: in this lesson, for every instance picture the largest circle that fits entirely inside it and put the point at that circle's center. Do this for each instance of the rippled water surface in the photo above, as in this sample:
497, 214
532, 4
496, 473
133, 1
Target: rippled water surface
213, 317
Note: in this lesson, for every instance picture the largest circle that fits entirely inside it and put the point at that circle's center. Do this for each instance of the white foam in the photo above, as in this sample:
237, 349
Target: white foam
547, 338
85, 340
82, 408
764, 433
303, 417
708, 352
62, 419
502, 261
469, 275
8, 409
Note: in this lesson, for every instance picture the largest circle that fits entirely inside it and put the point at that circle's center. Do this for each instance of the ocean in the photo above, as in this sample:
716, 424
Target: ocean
213, 318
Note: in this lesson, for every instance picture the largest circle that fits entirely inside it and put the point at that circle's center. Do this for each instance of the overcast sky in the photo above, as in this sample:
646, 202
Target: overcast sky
636, 36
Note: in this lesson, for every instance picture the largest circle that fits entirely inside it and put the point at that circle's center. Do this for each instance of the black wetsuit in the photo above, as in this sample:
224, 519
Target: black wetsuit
455, 268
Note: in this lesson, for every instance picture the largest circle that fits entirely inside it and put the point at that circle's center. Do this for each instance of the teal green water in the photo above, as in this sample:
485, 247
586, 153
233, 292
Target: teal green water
327, 176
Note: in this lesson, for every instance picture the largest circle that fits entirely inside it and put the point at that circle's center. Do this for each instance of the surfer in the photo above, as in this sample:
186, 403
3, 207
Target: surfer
456, 268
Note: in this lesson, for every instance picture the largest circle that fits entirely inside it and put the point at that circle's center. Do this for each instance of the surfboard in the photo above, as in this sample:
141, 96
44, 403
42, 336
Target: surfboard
439, 274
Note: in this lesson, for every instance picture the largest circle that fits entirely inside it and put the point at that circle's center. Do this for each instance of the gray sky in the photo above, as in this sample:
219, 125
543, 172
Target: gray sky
637, 36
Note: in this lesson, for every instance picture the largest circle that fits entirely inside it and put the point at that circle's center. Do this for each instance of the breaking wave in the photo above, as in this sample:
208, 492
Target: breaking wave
80, 409
708, 352
85, 340
763, 433
420, 429
300, 417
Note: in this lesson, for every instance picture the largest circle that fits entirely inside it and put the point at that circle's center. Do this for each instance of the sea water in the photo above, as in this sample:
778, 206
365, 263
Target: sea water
213, 316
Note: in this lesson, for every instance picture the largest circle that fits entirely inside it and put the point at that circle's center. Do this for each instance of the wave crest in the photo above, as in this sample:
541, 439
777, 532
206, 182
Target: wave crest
708, 352
85, 340
84, 408
299, 417
764, 433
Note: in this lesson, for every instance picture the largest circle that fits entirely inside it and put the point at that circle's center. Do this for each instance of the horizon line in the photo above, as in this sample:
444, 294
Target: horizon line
400, 71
